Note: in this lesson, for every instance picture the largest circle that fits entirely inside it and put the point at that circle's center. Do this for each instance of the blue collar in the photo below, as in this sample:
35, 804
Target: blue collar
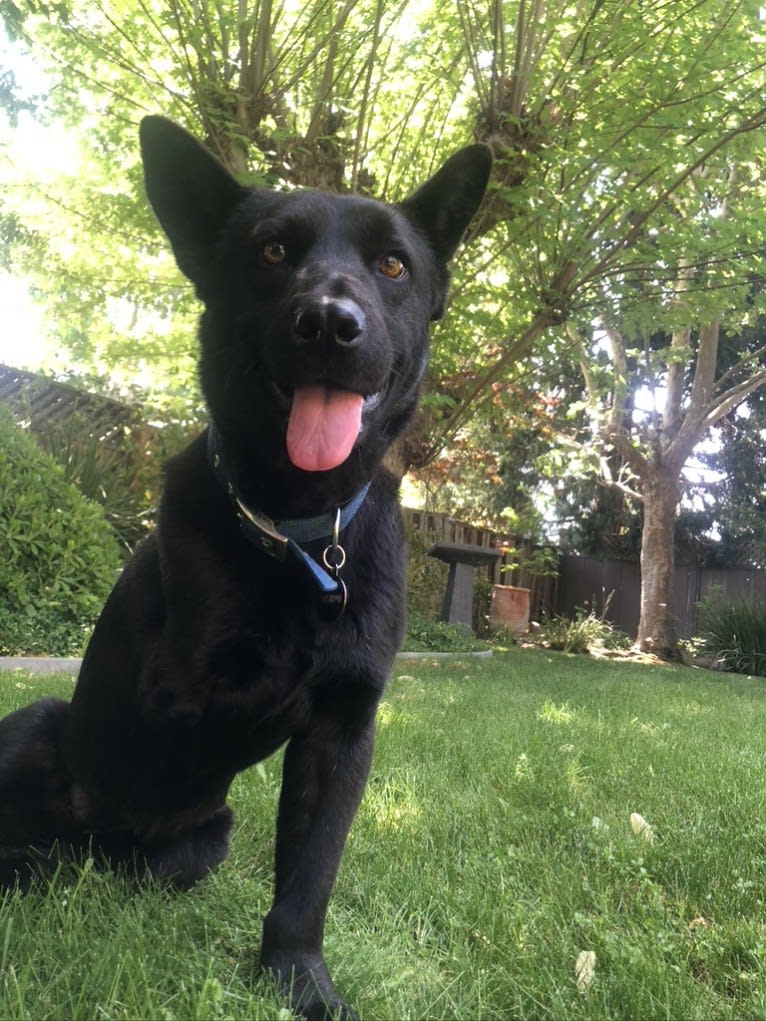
280, 539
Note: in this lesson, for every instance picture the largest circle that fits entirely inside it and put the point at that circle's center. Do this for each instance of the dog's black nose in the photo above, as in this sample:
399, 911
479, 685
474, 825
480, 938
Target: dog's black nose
331, 320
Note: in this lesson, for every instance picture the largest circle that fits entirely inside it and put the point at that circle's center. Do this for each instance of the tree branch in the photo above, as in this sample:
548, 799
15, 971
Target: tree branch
747, 360
732, 399
481, 390
617, 484
680, 348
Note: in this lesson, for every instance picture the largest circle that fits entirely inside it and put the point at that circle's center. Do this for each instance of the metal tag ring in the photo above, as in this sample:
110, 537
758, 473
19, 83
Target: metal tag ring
341, 555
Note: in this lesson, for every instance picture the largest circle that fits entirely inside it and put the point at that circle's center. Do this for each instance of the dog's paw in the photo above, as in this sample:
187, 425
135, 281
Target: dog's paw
306, 983
319, 1010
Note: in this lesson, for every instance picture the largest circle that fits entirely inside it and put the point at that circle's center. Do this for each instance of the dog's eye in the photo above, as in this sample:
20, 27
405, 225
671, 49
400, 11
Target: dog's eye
391, 266
274, 252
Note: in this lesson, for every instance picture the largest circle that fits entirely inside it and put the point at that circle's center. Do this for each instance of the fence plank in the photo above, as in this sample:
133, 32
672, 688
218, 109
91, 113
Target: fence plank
587, 582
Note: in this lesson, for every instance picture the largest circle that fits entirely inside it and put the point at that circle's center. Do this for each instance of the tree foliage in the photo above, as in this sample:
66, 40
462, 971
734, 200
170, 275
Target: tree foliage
623, 238
322, 94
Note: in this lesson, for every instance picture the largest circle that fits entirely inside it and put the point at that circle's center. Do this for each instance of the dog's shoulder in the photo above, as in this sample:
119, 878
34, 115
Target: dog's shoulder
192, 499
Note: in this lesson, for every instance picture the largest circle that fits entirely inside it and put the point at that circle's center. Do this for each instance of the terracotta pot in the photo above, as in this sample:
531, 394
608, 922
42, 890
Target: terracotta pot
509, 609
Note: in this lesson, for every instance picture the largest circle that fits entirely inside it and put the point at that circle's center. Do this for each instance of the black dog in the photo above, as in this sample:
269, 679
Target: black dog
267, 606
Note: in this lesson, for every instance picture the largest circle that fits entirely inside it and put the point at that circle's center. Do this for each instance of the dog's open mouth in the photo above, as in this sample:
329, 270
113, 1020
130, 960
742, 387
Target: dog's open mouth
323, 425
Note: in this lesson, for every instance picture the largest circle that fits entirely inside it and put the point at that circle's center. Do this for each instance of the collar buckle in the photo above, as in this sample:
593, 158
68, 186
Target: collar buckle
266, 536
281, 539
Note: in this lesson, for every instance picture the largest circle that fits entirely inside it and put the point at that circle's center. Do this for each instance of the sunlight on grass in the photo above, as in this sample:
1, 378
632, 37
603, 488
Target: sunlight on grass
523, 771
394, 803
551, 713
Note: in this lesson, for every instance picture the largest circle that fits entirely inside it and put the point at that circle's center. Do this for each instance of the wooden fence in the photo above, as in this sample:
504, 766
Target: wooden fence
612, 587
47, 404
504, 571
616, 584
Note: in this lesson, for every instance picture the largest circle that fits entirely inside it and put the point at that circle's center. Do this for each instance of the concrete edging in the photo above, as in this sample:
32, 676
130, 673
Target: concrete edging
52, 665
40, 664
484, 654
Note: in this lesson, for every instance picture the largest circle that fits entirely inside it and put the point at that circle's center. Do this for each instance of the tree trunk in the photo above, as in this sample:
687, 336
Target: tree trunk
657, 625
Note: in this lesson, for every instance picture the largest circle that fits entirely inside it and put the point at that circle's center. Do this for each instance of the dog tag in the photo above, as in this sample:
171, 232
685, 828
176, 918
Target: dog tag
332, 604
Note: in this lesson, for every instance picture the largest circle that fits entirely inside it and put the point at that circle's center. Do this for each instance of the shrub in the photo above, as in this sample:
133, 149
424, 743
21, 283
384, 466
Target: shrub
734, 633
102, 473
586, 632
425, 635
426, 576
482, 598
58, 556
122, 475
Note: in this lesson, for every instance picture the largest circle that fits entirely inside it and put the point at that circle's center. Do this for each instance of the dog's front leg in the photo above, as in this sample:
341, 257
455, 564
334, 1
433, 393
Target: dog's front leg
324, 776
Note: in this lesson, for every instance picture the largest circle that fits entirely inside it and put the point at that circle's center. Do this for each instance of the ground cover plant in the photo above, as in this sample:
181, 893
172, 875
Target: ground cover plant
427, 635
494, 846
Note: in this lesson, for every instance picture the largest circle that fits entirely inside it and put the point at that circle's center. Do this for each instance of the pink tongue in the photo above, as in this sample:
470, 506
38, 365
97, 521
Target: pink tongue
323, 427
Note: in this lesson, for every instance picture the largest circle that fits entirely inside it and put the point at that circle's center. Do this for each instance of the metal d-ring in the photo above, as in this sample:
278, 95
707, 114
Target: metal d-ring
334, 565
335, 548
333, 558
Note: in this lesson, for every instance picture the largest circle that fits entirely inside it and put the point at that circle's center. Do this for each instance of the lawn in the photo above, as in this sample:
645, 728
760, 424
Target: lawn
494, 845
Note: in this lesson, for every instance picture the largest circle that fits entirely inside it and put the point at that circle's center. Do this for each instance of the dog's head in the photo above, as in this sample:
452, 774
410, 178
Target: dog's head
315, 330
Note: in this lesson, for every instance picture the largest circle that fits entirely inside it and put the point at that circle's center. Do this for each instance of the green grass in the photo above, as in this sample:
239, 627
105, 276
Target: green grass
493, 845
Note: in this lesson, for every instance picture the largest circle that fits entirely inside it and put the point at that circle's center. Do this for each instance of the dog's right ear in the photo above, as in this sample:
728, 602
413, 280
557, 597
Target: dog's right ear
191, 193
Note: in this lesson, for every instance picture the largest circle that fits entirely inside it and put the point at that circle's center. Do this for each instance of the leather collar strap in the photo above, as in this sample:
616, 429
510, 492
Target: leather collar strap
279, 539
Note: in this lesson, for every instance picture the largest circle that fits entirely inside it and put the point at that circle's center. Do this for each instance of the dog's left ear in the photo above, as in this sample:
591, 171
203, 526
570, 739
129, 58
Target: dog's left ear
444, 206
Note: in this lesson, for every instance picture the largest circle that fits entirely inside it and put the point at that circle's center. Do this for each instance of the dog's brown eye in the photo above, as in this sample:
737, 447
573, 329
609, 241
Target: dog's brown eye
274, 252
391, 266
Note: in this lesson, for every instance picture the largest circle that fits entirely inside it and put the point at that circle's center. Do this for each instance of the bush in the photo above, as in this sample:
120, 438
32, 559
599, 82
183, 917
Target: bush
58, 556
586, 632
426, 576
425, 635
734, 633
482, 598
122, 475
103, 473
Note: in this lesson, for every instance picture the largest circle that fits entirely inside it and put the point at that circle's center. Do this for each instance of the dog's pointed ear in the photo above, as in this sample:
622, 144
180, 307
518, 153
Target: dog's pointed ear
191, 193
444, 206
